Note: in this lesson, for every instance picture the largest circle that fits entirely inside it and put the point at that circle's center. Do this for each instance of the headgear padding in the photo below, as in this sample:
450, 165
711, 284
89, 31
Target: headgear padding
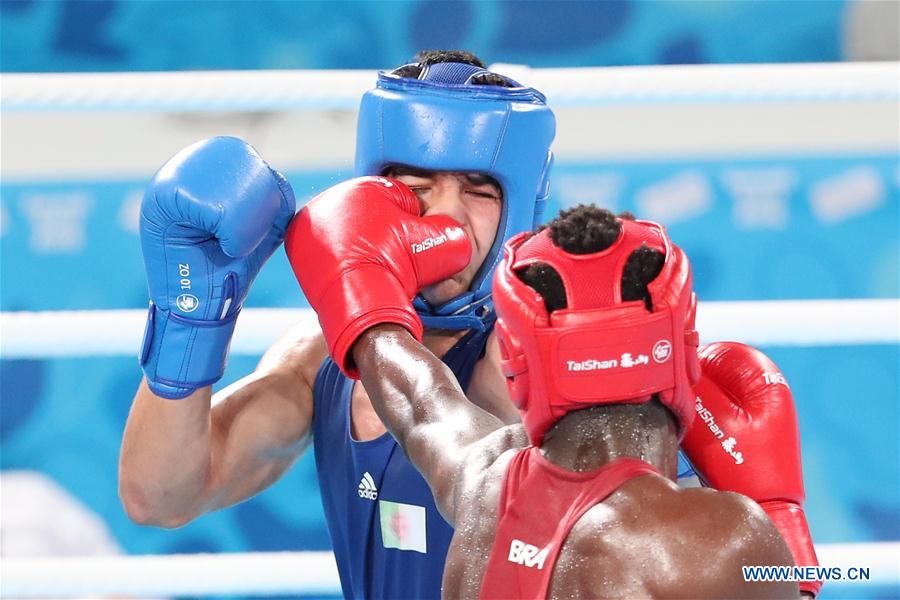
442, 121
599, 349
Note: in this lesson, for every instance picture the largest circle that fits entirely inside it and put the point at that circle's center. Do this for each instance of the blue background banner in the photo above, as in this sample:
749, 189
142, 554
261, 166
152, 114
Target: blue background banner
112, 35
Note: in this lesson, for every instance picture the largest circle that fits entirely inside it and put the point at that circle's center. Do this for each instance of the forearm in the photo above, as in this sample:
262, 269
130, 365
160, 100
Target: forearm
407, 384
419, 400
183, 458
165, 459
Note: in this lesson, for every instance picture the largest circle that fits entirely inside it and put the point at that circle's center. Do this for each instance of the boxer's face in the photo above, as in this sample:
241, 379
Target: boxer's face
474, 200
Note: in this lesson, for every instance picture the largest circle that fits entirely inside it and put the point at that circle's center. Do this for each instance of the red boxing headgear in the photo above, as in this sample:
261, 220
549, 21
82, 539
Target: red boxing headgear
599, 349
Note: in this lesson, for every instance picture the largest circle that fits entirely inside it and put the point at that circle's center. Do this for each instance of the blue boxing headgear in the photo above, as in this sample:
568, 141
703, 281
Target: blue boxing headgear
442, 121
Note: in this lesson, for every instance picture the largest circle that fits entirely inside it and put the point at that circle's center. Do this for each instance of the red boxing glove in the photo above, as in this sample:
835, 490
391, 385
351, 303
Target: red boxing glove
745, 439
361, 252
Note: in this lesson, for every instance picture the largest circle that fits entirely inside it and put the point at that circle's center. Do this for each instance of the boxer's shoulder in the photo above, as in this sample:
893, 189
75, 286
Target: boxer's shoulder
651, 538
491, 454
742, 528
727, 531
483, 470
654, 503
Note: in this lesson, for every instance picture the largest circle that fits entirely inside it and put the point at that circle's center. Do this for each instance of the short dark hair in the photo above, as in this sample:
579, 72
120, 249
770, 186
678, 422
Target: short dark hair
432, 57
586, 229
425, 58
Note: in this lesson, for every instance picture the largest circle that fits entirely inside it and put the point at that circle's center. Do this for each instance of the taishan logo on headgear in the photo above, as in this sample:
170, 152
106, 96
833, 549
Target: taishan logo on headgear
662, 351
428, 243
626, 361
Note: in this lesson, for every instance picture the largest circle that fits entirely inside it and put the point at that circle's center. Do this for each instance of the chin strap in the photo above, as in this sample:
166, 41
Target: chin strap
463, 312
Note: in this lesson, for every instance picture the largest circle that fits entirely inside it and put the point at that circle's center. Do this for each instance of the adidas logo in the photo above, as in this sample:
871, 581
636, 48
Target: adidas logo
367, 487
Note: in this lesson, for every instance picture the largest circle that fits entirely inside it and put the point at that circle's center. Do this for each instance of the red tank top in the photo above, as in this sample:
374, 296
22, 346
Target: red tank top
539, 505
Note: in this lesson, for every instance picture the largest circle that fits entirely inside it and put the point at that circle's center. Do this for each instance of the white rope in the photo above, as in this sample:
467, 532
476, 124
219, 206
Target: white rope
759, 323
883, 558
801, 322
281, 90
259, 574
277, 573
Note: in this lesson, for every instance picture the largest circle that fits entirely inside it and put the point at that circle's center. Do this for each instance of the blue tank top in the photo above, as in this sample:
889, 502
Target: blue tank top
389, 539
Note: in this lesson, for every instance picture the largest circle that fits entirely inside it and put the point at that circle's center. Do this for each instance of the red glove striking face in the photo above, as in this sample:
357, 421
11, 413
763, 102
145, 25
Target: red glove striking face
361, 252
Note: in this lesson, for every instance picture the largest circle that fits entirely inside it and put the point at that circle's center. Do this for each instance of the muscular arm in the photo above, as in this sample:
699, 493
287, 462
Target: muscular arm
422, 405
183, 458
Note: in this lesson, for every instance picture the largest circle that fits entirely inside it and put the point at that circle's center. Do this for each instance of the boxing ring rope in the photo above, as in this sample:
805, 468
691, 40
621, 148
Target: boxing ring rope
762, 323
322, 90
277, 573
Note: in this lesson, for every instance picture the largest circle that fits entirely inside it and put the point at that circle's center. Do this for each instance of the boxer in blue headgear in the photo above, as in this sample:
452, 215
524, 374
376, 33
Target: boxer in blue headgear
454, 116
445, 115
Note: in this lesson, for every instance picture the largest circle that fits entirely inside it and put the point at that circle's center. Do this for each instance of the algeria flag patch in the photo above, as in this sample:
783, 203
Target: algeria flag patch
402, 526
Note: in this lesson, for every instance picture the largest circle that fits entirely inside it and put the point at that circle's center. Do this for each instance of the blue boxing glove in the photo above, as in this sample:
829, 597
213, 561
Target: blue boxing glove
210, 218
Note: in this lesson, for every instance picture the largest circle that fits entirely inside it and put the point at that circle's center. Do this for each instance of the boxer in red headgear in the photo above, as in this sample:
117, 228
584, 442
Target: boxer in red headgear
596, 331
599, 349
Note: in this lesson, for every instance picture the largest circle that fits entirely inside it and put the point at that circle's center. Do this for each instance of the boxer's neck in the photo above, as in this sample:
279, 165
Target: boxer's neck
439, 341
587, 439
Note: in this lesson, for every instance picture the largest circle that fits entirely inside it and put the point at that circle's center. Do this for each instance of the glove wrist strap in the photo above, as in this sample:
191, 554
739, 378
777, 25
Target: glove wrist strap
180, 355
379, 298
790, 521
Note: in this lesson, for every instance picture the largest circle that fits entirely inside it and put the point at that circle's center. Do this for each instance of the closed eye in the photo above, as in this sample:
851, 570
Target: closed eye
480, 194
